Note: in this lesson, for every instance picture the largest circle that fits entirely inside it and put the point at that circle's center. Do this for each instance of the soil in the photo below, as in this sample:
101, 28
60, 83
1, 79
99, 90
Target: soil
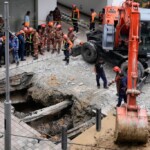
104, 139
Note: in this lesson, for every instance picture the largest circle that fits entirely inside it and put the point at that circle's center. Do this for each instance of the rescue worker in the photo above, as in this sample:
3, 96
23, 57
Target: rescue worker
14, 46
100, 17
41, 32
50, 36
57, 16
29, 42
67, 48
36, 42
58, 38
27, 19
117, 70
92, 20
21, 39
75, 17
122, 90
71, 34
100, 73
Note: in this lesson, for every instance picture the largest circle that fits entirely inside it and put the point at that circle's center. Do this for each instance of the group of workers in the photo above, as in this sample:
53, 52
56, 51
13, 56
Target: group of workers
120, 80
29, 41
76, 16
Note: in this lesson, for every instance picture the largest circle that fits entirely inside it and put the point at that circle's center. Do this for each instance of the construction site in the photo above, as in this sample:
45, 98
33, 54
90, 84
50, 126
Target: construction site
57, 102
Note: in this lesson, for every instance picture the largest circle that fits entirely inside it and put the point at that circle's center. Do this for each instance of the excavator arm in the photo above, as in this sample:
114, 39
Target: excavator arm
131, 120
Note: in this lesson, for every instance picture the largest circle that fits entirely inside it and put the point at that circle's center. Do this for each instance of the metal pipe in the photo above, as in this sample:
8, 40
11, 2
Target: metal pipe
98, 120
7, 103
64, 138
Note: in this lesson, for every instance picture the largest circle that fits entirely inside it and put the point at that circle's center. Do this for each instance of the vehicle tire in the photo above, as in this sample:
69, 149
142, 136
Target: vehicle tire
89, 52
124, 68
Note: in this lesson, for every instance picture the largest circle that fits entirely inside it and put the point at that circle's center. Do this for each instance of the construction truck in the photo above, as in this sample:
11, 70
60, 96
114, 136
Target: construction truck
111, 41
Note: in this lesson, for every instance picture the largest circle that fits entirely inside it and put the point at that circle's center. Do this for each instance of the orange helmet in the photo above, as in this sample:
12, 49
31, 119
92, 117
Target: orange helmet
73, 5
70, 29
50, 24
30, 29
65, 36
58, 26
25, 29
116, 69
21, 32
43, 25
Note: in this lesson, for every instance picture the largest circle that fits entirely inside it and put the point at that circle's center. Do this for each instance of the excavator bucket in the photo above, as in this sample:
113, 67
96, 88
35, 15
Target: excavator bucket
131, 125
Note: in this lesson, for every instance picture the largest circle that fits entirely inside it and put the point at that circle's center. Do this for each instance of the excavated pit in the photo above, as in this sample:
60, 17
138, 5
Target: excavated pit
75, 116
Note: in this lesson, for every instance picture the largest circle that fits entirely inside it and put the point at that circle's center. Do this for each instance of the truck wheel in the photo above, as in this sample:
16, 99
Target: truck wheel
89, 52
124, 68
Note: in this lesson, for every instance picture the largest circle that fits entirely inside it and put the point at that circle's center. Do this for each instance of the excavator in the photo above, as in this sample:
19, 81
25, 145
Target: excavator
124, 39
131, 120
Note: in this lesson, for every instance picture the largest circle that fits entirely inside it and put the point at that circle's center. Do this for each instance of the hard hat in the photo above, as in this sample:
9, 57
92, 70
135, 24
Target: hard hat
50, 24
43, 25
58, 26
73, 5
25, 29
22, 32
1, 15
65, 36
70, 29
30, 29
116, 69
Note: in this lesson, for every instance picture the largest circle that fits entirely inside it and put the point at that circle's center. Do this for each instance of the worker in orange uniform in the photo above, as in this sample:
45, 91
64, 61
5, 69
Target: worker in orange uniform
58, 38
71, 34
67, 48
118, 72
75, 17
29, 42
36, 42
92, 20
41, 32
50, 36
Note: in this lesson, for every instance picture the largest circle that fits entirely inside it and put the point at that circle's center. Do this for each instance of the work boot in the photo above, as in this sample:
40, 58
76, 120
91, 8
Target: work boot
67, 62
64, 59
58, 51
53, 51
35, 58
17, 63
98, 86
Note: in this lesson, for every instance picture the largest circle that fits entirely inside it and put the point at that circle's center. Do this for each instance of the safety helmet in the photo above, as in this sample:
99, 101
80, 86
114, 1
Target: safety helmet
70, 29
25, 29
116, 69
22, 32
65, 36
30, 29
73, 5
50, 24
58, 26
43, 25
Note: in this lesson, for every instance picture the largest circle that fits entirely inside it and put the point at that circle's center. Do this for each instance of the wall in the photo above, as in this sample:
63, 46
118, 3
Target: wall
18, 8
85, 5
43, 8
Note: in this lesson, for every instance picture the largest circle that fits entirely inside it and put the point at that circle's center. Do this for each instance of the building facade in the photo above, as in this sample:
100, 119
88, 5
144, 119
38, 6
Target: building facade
18, 8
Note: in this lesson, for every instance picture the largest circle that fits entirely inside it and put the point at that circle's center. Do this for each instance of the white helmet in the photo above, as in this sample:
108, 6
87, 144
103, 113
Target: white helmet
1, 16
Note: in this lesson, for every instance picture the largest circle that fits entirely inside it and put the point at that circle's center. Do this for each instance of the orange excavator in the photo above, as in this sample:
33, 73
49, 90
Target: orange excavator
131, 120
